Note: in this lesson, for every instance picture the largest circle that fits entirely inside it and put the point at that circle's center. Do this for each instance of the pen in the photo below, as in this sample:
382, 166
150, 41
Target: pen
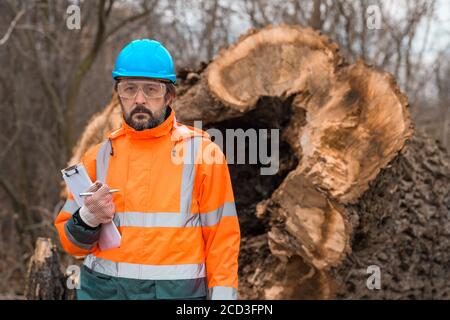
91, 193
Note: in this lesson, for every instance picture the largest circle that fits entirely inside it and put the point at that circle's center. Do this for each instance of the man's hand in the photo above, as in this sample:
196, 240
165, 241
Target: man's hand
98, 208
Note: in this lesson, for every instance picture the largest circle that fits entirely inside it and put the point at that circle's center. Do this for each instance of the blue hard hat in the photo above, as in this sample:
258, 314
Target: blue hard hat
144, 58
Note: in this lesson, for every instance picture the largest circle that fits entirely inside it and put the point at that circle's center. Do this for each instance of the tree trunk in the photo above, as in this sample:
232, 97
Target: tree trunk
354, 190
45, 281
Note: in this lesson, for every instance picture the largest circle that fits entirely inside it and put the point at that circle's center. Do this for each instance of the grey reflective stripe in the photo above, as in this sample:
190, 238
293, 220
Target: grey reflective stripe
188, 175
156, 219
174, 219
101, 165
75, 241
212, 218
222, 293
70, 206
145, 271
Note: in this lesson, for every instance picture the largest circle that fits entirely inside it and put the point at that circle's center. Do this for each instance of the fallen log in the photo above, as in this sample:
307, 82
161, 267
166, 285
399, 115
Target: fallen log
355, 189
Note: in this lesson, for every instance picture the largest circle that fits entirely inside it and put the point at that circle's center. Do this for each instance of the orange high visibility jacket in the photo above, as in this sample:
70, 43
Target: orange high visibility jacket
175, 208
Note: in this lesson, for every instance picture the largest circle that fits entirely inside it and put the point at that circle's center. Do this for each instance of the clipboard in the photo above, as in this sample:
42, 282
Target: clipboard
78, 181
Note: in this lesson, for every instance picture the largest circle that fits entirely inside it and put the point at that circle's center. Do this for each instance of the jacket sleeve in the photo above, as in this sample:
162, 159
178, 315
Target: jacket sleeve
220, 225
77, 238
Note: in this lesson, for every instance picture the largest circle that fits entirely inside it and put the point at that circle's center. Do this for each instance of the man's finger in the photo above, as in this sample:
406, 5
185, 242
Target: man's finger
95, 186
104, 189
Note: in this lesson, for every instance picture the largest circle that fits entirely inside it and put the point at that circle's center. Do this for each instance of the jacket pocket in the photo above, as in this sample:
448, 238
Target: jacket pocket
96, 286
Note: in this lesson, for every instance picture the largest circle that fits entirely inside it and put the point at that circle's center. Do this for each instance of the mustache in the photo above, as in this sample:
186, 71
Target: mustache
140, 109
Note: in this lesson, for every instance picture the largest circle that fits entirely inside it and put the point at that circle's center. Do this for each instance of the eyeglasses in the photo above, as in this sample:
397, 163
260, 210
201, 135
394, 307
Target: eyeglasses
151, 90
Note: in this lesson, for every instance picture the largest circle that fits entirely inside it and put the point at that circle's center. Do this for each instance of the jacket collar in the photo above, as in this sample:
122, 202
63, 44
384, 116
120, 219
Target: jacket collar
162, 129
178, 131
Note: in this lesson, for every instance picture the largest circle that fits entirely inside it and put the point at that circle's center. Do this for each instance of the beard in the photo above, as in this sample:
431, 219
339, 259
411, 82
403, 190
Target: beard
146, 120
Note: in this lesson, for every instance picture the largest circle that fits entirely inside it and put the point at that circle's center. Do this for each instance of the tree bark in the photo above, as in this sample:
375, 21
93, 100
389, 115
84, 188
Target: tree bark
45, 281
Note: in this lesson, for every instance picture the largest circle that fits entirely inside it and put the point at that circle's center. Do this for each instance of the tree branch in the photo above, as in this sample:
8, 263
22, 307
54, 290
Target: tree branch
11, 27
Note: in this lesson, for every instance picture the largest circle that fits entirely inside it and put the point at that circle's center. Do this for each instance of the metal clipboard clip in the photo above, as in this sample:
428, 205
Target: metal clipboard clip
70, 170
77, 180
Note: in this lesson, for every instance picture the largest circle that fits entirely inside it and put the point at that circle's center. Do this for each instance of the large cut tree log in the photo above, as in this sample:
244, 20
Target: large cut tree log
354, 189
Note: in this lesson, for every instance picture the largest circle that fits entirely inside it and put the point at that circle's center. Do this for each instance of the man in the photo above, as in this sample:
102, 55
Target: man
180, 234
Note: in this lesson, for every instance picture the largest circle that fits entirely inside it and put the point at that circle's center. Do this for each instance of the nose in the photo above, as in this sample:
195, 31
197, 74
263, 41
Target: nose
140, 98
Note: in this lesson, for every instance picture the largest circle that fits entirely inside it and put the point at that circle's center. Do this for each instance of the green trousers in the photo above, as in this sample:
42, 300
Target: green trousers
98, 286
